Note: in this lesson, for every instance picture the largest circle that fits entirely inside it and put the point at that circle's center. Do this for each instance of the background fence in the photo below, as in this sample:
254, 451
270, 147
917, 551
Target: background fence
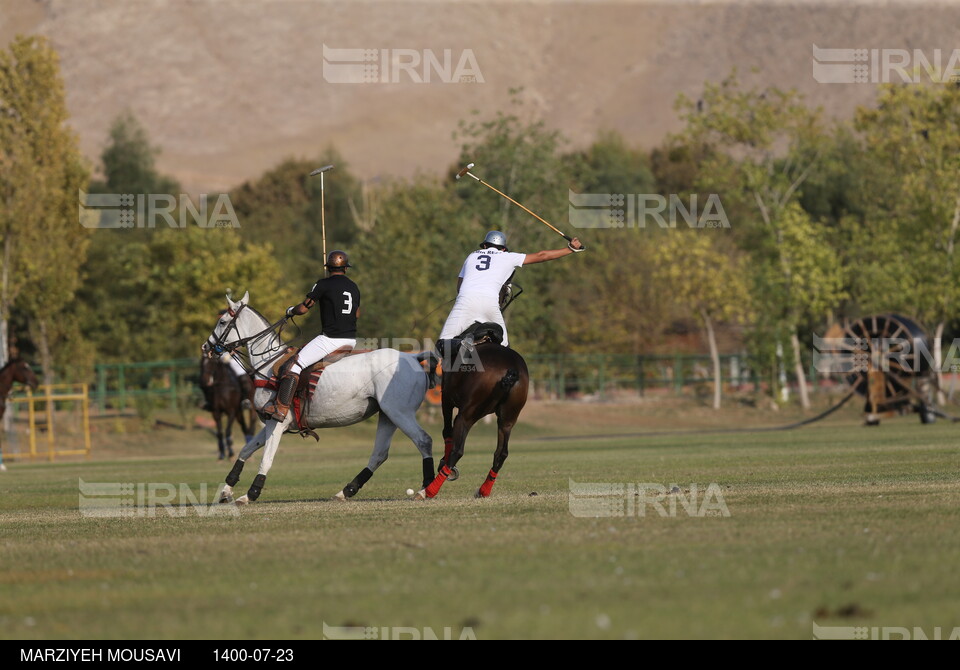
172, 384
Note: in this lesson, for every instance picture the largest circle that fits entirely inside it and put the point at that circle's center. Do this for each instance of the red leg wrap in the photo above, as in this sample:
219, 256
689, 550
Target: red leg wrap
487, 485
438, 481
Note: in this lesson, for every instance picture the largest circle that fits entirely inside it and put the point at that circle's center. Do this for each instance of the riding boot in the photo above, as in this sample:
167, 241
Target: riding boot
246, 391
287, 387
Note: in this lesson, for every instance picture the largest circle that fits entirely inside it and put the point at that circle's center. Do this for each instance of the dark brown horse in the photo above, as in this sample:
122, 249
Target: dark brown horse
492, 380
17, 370
226, 398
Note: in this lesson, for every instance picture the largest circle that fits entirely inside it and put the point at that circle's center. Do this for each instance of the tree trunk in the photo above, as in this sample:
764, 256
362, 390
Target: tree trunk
46, 360
715, 357
4, 303
938, 362
801, 375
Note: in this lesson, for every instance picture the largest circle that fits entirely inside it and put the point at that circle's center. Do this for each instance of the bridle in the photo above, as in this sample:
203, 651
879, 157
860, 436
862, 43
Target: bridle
217, 346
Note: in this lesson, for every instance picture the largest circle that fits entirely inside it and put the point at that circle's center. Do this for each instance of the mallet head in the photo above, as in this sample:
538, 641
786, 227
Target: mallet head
465, 170
320, 170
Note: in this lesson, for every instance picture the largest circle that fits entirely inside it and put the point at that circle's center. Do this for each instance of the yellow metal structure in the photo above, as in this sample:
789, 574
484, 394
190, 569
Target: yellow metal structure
49, 395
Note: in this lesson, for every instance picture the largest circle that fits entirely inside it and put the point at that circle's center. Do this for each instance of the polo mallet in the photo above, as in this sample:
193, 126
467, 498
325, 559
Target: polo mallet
466, 171
323, 223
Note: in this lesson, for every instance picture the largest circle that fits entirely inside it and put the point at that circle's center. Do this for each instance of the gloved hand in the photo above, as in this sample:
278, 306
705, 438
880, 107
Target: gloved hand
290, 311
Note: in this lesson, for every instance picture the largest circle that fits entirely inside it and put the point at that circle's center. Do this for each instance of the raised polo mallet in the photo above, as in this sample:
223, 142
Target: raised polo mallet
466, 172
323, 223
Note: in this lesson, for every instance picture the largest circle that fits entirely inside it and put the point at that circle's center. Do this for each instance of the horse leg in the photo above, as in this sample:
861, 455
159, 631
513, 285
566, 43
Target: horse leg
229, 440
252, 445
381, 450
274, 430
406, 421
499, 456
447, 409
461, 426
218, 418
244, 426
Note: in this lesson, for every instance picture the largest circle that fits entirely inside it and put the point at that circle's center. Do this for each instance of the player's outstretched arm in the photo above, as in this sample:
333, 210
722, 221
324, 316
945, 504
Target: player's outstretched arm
553, 254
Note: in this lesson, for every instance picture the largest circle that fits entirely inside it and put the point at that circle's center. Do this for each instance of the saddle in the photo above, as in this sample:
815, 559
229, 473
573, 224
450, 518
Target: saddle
452, 351
307, 384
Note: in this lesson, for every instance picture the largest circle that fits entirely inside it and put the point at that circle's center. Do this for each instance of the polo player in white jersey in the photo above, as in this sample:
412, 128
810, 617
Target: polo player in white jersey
484, 274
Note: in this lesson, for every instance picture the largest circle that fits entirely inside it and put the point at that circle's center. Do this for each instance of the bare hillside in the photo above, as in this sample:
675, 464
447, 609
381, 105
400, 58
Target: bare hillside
229, 87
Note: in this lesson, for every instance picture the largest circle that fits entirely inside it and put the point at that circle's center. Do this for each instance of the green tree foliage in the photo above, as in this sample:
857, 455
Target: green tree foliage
282, 208
129, 161
159, 299
407, 263
41, 172
522, 159
769, 143
707, 280
609, 165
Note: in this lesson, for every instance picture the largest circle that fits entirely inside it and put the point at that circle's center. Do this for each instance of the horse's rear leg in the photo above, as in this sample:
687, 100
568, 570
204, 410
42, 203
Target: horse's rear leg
507, 415
499, 456
381, 450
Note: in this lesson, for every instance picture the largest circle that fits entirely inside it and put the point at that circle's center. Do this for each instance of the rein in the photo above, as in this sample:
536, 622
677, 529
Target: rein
219, 347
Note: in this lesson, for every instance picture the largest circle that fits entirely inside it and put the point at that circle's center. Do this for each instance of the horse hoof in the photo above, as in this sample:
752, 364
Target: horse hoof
454, 474
242, 500
421, 495
340, 497
226, 495
479, 495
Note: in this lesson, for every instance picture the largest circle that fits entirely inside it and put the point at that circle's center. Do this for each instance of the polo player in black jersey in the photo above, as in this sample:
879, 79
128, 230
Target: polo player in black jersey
339, 301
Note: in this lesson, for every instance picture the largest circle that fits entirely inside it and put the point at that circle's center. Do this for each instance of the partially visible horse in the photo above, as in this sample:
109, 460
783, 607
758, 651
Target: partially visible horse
226, 402
495, 381
17, 370
384, 381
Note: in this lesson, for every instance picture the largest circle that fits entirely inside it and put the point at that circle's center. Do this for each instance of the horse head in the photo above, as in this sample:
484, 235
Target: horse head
228, 329
23, 373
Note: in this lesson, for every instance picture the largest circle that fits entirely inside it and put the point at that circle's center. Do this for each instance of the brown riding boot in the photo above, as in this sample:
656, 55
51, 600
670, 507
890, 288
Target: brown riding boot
285, 391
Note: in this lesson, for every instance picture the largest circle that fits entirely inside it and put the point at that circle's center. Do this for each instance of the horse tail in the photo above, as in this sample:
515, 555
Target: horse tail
432, 360
509, 379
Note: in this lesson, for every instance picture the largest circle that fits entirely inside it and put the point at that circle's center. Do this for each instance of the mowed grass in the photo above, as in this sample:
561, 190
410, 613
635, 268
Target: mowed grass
835, 523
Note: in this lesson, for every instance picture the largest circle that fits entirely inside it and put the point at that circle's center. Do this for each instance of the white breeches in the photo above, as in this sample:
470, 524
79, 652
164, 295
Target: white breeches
470, 308
316, 349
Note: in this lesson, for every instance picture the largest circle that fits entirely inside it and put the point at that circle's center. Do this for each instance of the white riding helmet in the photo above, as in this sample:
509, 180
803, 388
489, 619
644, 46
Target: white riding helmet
496, 238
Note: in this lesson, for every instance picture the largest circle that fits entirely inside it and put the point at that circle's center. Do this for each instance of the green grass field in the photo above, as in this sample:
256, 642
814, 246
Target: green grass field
835, 523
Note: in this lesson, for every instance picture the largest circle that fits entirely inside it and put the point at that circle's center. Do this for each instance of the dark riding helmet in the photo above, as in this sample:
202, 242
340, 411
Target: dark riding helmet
337, 260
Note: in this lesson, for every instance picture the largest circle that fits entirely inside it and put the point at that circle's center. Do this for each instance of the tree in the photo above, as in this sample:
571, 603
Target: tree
913, 139
159, 298
407, 262
129, 161
705, 279
41, 172
768, 144
282, 208
521, 158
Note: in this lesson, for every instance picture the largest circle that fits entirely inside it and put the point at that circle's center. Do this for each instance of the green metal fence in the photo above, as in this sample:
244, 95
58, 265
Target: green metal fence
120, 386
559, 375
